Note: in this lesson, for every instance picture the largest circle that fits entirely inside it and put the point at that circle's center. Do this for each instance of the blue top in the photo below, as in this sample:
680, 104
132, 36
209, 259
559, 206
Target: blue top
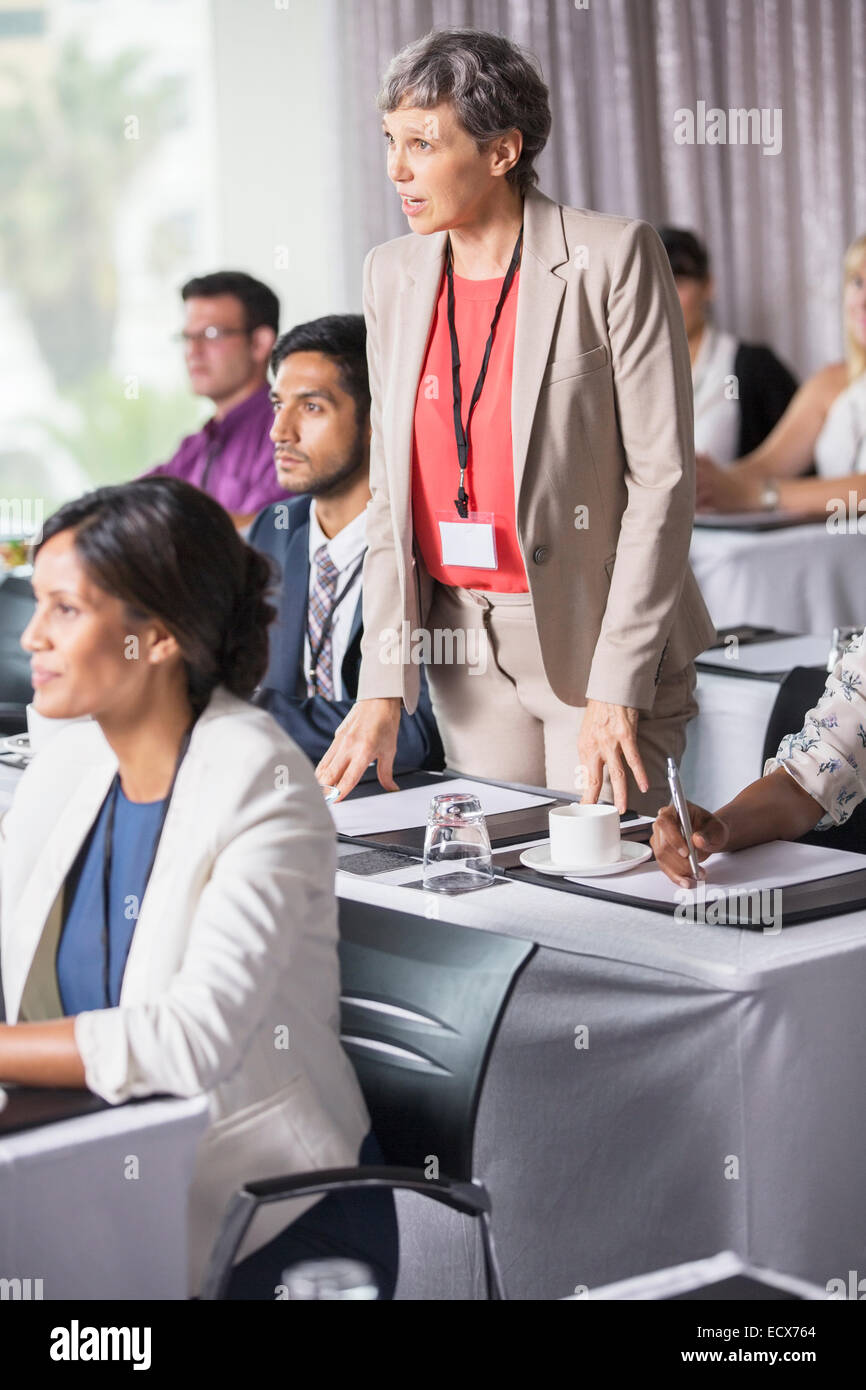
80, 954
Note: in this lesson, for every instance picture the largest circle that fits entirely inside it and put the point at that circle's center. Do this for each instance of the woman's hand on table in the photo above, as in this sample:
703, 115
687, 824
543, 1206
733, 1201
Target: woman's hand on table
720, 489
368, 734
608, 736
709, 836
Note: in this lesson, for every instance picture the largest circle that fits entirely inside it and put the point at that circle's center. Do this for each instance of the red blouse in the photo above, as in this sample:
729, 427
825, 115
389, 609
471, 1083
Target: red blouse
489, 477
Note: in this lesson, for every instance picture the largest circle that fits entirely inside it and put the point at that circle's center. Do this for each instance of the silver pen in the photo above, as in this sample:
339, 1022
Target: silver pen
682, 810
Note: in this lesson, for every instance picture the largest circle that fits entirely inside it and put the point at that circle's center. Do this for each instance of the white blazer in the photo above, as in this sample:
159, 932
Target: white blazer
235, 944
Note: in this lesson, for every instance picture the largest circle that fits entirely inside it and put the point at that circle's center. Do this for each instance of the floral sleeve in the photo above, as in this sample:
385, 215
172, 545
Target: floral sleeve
828, 756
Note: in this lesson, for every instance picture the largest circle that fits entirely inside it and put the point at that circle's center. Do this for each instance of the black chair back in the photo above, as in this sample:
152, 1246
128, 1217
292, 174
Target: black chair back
797, 695
421, 1004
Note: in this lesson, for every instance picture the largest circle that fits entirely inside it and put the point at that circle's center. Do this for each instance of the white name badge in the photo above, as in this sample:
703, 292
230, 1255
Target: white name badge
470, 543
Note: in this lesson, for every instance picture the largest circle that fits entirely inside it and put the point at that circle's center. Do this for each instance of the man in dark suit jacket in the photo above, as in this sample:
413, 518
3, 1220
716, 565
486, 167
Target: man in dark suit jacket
321, 437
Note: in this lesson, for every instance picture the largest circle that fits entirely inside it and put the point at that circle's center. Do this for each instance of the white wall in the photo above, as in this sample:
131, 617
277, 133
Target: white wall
284, 153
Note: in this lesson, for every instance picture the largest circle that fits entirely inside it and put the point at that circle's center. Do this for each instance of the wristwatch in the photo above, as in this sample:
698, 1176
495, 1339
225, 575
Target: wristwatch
770, 495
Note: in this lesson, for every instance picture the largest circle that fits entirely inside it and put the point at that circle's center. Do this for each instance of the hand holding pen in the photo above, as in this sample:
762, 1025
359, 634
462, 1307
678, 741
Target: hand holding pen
685, 832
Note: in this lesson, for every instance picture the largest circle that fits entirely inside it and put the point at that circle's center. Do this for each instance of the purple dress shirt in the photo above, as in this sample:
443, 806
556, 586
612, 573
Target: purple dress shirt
233, 458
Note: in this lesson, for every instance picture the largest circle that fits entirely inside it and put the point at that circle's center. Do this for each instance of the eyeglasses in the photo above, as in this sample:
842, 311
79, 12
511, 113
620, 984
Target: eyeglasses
211, 334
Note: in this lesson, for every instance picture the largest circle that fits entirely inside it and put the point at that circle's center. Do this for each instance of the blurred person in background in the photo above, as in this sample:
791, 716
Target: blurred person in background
741, 390
824, 426
231, 323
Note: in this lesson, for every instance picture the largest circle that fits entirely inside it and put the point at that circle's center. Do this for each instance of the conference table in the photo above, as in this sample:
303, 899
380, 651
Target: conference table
93, 1197
802, 578
712, 1102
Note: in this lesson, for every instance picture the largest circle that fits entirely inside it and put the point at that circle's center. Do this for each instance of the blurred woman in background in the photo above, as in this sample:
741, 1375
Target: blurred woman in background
825, 424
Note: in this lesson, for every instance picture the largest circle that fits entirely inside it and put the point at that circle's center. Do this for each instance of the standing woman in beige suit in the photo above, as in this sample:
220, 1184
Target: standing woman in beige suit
532, 458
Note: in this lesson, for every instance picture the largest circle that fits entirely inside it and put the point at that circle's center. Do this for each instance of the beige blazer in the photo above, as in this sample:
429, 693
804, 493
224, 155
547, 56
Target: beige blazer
601, 420
231, 988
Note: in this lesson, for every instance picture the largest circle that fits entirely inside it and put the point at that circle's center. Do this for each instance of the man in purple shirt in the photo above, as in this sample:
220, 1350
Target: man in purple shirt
230, 326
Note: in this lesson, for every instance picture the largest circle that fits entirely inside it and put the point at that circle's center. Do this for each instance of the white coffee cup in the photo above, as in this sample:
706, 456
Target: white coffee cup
585, 835
42, 729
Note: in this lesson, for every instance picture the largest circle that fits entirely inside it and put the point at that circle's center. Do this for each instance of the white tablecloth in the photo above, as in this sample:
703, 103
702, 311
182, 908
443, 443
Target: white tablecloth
72, 1214
797, 579
716, 1107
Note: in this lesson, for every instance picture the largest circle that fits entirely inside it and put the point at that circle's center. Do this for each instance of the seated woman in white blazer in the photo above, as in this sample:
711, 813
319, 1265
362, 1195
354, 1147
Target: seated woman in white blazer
167, 913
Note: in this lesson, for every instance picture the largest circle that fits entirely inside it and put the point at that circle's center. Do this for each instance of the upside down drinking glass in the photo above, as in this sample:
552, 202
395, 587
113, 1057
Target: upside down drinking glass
457, 855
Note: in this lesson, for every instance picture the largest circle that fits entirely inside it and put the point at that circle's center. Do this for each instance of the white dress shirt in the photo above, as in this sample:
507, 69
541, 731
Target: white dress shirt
345, 550
841, 446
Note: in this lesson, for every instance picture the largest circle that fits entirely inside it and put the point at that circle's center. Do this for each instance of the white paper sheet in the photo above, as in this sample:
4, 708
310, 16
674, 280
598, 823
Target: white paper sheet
774, 865
403, 810
760, 657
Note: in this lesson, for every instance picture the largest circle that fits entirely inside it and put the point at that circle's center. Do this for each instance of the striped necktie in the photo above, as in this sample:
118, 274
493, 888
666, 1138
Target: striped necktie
321, 681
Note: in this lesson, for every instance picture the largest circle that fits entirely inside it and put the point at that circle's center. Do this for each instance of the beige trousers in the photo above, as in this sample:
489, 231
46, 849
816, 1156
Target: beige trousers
499, 718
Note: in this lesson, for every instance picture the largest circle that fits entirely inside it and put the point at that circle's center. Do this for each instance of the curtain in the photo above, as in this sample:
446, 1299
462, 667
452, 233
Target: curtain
619, 70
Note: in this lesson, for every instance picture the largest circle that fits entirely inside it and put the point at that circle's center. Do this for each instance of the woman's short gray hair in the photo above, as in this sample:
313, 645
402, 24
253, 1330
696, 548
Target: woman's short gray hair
493, 84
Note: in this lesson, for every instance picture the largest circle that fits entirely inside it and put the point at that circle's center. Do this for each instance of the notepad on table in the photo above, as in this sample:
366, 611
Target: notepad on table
407, 809
779, 864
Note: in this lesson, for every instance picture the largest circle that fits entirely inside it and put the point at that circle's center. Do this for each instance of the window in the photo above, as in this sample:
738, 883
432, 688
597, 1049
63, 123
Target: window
106, 163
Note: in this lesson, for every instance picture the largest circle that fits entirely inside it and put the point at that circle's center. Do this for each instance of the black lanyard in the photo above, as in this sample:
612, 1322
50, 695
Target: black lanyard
461, 501
106, 869
329, 622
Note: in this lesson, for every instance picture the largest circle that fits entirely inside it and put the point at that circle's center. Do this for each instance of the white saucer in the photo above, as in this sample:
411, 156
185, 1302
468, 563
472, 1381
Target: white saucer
538, 858
19, 744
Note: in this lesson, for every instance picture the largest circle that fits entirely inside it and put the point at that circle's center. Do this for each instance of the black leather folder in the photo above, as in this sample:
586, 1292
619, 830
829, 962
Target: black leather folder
801, 902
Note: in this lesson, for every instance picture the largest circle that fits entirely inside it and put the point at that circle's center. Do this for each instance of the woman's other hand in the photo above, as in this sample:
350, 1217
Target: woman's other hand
607, 739
368, 734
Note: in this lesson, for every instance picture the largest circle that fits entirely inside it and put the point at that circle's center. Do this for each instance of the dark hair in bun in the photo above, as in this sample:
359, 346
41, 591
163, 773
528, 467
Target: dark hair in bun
169, 551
